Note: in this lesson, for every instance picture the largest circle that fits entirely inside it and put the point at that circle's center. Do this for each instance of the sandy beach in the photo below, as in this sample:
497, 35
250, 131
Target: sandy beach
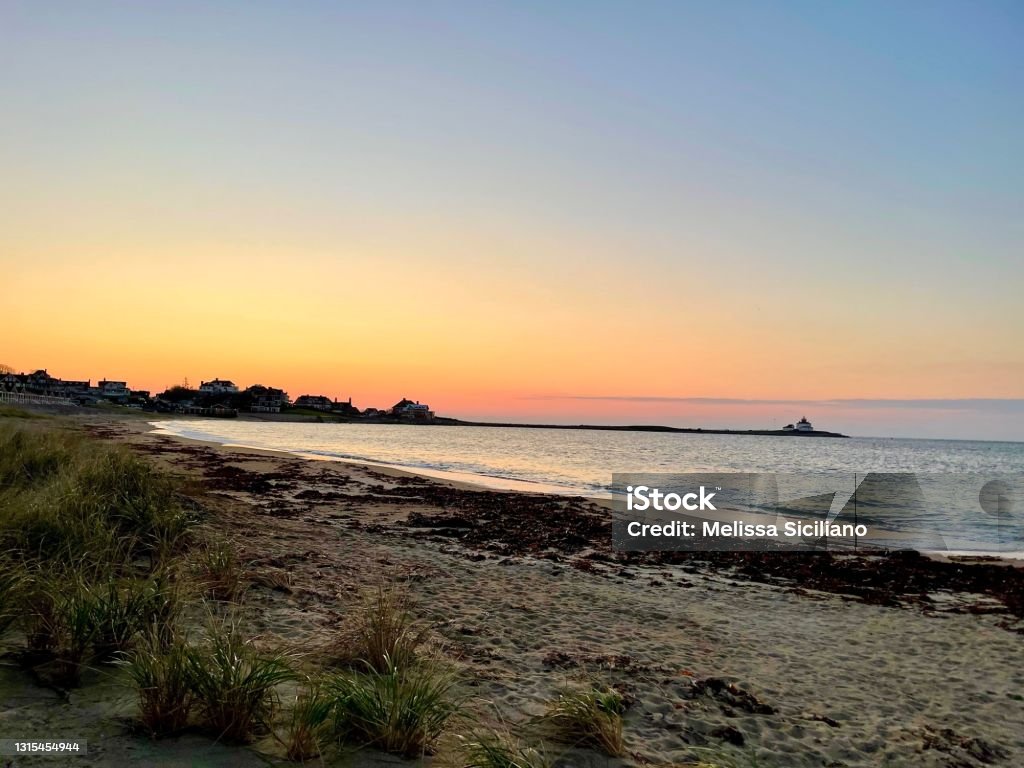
730, 661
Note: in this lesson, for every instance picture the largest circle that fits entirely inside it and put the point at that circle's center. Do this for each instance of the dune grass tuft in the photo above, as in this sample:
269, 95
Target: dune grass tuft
401, 710
309, 724
592, 717
161, 670
218, 570
234, 682
122, 610
12, 584
60, 627
498, 750
138, 502
385, 631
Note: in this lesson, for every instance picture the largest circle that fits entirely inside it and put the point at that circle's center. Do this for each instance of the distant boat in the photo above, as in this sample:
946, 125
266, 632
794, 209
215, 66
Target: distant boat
801, 426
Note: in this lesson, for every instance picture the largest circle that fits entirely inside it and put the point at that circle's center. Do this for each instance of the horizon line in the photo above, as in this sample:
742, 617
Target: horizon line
964, 403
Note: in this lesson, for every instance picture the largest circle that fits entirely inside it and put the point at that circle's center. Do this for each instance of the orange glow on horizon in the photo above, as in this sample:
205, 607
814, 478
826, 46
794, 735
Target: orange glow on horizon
489, 343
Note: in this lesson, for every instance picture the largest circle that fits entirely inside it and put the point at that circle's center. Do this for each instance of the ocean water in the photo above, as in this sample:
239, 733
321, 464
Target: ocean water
583, 461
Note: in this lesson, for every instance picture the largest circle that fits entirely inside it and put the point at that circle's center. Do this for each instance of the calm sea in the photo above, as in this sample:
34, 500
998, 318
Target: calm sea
582, 461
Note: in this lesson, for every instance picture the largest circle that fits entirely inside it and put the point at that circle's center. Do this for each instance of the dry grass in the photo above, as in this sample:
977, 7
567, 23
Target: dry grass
384, 633
12, 584
162, 673
309, 722
591, 717
494, 749
218, 570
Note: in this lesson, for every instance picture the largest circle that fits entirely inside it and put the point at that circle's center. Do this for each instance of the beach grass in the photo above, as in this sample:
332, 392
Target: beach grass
12, 582
122, 610
85, 533
69, 499
385, 632
400, 709
12, 412
591, 717
28, 456
496, 749
60, 626
218, 569
309, 724
235, 682
161, 670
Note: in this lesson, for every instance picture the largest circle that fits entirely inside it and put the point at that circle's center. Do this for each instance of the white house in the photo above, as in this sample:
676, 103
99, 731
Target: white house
801, 426
218, 387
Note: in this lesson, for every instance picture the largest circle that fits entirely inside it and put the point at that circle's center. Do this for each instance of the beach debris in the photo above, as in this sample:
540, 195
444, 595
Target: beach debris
822, 719
565, 660
730, 734
731, 695
949, 742
576, 531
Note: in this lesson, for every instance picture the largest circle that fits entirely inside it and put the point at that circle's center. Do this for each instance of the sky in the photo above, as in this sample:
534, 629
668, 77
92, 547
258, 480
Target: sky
691, 213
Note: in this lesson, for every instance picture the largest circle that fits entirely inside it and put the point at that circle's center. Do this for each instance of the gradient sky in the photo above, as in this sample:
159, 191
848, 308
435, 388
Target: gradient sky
575, 211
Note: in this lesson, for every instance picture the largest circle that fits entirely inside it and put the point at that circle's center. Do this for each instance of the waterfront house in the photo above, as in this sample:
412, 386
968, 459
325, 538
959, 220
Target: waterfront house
218, 387
114, 391
408, 410
316, 402
266, 399
345, 408
801, 426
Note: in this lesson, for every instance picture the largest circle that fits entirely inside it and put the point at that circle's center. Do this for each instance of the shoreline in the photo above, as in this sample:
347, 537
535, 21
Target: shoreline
476, 481
464, 480
407, 475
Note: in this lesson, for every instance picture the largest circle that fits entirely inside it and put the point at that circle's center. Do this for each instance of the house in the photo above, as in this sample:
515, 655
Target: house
408, 410
316, 402
801, 426
71, 388
345, 408
40, 382
218, 387
399, 407
266, 399
115, 391
37, 383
